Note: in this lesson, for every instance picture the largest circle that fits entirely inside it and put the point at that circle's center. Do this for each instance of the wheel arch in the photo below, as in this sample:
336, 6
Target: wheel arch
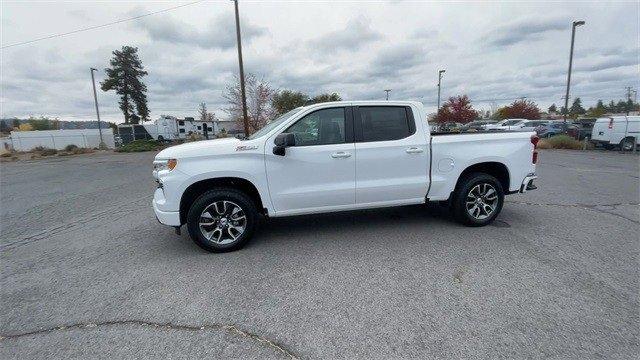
494, 168
193, 191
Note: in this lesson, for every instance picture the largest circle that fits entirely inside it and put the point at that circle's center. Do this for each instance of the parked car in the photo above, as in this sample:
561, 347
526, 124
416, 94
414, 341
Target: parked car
617, 131
477, 125
332, 157
450, 127
505, 125
584, 128
530, 125
553, 128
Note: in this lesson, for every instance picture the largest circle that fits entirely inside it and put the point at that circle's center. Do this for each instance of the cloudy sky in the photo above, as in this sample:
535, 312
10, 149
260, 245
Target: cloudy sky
492, 51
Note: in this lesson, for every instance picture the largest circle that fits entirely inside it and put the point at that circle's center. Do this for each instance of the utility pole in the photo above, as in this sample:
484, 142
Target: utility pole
629, 90
245, 118
95, 99
440, 72
387, 91
566, 98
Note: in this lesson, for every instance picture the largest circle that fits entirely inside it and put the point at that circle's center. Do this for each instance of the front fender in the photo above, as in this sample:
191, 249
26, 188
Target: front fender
246, 166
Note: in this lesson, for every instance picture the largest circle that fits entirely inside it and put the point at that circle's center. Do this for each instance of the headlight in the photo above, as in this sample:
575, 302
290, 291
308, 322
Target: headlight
164, 164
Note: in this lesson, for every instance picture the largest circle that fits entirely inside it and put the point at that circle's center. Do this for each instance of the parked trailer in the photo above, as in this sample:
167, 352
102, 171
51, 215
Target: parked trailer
614, 131
166, 128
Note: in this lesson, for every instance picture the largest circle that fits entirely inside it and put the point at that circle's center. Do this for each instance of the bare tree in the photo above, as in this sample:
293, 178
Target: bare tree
204, 115
259, 95
202, 111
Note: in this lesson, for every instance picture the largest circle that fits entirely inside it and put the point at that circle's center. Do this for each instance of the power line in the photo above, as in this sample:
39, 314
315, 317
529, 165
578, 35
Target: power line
100, 26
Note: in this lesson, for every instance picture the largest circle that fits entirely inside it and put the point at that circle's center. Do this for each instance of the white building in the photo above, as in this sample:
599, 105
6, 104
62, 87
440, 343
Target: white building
59, 139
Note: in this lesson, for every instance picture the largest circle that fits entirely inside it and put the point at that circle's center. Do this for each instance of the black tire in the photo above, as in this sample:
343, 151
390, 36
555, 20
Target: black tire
225, 196
627, 144
469, 183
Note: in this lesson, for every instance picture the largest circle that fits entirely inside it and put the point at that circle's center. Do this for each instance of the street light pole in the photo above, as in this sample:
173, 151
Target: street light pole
566, 97
387, 91
245, 118
440, 72
95, 99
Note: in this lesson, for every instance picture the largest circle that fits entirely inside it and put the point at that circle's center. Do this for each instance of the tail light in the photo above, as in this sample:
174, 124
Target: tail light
610, 123
534, 141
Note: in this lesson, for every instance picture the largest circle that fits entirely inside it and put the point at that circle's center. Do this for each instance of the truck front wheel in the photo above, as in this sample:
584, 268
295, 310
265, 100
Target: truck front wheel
222, 220
478, 199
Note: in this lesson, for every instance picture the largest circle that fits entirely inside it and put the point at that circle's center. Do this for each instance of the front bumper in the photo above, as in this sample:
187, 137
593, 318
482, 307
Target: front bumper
171, 218
527, 183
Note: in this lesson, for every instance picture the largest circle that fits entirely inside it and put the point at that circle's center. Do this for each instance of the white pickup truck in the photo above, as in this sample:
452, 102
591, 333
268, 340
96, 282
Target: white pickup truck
332, 157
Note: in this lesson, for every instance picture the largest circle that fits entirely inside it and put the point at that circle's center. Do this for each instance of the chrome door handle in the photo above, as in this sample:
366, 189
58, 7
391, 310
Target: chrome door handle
414, 150
340, 155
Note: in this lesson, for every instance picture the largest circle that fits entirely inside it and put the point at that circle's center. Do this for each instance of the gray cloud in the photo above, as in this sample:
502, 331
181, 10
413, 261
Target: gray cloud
609, 63
219, 33
190, 55
396, 58
523, 30
356, 34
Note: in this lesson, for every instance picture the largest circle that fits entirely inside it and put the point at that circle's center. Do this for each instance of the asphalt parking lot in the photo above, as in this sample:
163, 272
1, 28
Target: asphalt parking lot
87, 272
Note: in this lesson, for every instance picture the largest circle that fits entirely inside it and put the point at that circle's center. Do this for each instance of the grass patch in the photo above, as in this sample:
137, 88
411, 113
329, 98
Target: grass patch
44, 151
562, 142
140, 145
74, 150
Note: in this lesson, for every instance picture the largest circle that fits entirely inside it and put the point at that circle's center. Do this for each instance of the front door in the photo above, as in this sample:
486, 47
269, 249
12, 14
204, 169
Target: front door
318, 173
392, 158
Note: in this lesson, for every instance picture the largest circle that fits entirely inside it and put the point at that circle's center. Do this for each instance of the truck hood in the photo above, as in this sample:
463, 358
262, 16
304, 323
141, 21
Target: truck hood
200, 148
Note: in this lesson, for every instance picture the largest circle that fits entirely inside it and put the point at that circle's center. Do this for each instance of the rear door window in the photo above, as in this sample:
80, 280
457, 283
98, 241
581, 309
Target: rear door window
385, 123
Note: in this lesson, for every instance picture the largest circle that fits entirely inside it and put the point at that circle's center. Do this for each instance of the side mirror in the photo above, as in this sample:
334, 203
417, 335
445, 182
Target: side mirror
282, 141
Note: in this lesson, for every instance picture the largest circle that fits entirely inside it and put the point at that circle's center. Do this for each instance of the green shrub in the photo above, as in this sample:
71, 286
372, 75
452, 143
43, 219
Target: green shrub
139, 146
70, 147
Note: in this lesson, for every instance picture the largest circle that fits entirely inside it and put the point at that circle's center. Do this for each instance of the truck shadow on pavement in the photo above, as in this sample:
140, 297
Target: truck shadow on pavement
351, 224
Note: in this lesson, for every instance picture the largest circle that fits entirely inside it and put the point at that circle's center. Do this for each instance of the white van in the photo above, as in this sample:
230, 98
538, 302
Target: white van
617, 130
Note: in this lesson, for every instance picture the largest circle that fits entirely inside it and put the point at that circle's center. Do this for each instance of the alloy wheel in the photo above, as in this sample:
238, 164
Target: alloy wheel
481, 201
223, 222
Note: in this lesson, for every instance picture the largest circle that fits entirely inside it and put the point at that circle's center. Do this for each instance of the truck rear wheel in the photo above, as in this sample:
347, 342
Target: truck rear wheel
478, 199
222, 220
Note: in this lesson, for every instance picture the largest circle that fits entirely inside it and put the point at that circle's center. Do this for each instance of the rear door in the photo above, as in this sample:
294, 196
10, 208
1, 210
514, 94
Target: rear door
391, 156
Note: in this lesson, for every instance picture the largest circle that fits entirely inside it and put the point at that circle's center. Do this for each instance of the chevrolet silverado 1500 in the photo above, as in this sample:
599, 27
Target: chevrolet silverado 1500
333, 157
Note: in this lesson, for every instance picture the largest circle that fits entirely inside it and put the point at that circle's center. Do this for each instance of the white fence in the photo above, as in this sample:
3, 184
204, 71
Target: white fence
58, 139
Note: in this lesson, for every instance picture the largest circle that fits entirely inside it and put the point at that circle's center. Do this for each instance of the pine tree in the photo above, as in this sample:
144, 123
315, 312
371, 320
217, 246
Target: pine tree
576, 108
125, 77
553, 108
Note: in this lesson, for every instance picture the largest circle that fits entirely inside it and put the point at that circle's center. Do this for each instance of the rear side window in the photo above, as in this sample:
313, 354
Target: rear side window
384, 123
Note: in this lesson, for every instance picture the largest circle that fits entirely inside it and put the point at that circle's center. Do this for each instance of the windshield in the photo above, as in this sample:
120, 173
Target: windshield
273, 124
